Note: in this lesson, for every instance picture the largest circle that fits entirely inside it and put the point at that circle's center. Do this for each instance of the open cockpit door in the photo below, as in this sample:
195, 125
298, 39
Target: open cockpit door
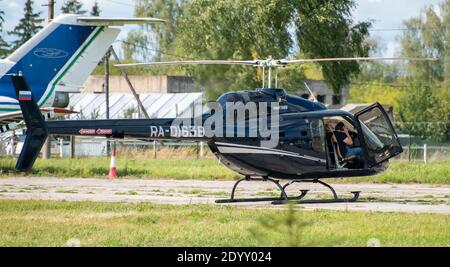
380, 139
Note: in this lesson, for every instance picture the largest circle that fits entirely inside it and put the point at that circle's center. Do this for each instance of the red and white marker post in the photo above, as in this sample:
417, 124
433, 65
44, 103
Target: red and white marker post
112, 166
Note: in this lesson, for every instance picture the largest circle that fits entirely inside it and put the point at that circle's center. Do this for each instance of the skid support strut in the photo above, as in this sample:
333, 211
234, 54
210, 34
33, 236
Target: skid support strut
283, 196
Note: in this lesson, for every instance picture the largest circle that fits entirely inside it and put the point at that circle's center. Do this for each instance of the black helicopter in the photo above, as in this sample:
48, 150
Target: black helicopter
306, 149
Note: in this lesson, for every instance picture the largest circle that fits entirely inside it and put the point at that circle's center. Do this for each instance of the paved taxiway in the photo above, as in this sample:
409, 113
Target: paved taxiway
374, 197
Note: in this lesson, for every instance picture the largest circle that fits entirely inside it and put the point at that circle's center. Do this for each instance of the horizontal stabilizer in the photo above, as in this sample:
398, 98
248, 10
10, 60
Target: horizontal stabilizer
99, 21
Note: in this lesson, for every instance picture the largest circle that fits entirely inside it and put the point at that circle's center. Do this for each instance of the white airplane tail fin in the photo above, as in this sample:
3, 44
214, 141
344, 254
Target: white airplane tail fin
60, 57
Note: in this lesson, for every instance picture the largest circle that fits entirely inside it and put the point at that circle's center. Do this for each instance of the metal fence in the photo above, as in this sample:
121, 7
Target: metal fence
99, 147
425, 153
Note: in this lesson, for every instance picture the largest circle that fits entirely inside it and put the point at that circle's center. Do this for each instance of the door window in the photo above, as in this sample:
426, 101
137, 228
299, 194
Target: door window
380, 138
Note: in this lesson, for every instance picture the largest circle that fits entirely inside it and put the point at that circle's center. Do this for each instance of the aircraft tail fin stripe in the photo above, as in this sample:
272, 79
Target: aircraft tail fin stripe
70, 64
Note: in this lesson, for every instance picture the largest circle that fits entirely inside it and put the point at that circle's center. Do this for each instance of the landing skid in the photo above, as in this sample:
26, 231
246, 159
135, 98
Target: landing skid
284, 198
335, 198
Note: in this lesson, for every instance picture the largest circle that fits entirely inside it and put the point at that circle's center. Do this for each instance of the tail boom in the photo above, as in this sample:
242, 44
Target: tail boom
38, 129
128, 128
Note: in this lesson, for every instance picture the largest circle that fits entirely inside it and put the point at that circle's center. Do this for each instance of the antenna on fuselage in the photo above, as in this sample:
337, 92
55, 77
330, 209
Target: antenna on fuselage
310, 91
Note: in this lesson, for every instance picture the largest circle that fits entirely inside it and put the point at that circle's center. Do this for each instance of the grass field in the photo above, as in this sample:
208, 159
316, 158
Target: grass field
47, 223
191, 168
208, 169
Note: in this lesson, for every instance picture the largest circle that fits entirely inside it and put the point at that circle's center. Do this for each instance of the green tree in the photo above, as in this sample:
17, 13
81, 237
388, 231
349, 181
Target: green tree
163, 34
95, 11
246, 29
138, 46
28, 25
73, 7
380, 72
428, 35
375, 91
4, 47
326, 29
242, 29
425, 108
423, 113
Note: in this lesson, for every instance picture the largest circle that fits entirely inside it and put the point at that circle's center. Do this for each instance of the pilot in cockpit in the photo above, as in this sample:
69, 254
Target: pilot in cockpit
345, 142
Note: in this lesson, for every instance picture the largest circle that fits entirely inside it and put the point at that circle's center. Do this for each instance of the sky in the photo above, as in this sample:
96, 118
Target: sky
389, 14
386, 14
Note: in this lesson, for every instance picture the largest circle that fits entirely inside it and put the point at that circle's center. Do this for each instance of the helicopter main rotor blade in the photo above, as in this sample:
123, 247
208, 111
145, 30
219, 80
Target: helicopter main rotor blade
284, 61
192, 62
270, 63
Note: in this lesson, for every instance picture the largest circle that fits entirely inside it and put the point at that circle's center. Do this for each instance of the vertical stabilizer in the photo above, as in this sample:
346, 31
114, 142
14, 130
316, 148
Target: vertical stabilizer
36, 128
